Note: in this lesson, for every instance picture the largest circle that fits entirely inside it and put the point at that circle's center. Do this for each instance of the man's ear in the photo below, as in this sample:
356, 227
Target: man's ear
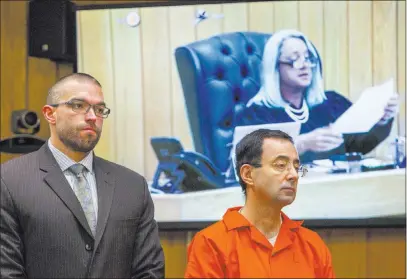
246, 174
49, 114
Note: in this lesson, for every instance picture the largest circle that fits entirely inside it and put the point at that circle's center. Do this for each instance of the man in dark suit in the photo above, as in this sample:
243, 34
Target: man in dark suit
66, 213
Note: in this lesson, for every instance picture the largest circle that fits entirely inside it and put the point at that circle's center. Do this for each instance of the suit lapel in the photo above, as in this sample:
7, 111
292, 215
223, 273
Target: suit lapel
105, 186
58, 183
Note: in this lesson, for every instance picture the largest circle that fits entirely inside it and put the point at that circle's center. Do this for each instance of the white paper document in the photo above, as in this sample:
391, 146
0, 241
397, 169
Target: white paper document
367, 111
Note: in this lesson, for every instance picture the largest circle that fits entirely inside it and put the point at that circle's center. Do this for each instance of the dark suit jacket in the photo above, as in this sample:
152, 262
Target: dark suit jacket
44, 232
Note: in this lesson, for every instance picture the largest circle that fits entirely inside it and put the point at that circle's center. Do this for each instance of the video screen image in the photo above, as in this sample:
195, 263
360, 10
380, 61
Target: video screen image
186, 83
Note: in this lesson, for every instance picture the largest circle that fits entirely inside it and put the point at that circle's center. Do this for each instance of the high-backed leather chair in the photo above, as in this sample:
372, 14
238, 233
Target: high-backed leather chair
219, 75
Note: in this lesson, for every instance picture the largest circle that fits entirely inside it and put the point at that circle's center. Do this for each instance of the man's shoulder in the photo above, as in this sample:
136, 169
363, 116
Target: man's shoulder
215, 232
19, 163
214, 237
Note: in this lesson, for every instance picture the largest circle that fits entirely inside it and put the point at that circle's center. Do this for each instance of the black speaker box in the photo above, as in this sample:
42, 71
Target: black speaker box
52, 30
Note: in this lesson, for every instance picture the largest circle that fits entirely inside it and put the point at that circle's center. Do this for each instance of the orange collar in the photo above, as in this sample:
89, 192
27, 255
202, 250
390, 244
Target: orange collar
233, 220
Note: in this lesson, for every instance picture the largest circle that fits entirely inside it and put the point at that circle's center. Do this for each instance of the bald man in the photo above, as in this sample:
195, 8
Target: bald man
66, 213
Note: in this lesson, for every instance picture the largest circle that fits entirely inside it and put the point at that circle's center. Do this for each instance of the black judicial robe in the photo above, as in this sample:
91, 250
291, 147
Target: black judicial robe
319, 116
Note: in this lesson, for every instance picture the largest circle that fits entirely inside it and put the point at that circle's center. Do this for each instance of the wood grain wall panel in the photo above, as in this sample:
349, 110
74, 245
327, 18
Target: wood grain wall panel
79, 42
286, 15
235, 17
13, 64
128, 107
156, 80
64, 69
261, 17
311, 22
384, 41
388, 242
336, 54
180, 123
360, 70
384, 50
175, 252
348, 249
42, 74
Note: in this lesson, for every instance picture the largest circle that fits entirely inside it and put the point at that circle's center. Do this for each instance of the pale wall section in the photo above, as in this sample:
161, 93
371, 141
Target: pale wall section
361, 43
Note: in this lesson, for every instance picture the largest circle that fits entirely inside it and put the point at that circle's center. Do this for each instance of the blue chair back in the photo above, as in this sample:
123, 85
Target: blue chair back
219, 75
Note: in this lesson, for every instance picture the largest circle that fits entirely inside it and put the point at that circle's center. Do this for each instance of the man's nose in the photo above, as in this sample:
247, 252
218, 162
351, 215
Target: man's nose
292, 173
90, 115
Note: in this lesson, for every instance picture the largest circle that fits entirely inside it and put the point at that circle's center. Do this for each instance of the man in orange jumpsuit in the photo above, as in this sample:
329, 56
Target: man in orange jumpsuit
258, 240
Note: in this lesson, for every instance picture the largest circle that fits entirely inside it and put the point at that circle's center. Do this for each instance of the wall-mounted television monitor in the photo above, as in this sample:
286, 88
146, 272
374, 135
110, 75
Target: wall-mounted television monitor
186, 81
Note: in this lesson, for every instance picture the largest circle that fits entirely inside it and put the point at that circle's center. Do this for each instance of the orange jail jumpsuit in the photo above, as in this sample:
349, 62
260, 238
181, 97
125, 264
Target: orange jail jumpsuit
234, 248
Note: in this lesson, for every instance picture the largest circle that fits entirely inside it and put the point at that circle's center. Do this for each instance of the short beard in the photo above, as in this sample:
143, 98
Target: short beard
78, 145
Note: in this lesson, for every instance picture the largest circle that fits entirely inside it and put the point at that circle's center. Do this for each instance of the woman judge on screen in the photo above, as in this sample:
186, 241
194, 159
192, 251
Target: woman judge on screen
292, 90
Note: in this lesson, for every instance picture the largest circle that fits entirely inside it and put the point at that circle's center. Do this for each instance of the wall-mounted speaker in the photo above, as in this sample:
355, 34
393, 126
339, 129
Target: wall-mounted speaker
52, 30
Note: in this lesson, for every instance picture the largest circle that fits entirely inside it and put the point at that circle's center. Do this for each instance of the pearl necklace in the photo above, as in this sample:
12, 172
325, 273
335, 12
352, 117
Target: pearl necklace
298, 115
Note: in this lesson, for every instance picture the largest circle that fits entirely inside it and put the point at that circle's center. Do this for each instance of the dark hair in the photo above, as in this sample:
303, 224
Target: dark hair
56, 90
250, 149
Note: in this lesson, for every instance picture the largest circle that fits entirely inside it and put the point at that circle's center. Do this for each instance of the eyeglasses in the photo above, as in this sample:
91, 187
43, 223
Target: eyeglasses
282, 166
83, 107
300, 62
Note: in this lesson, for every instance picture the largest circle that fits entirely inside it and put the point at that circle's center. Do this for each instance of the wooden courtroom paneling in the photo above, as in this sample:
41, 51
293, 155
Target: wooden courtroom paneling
175, 250
384, 18
360, 47
13, 64
235, 18
336, 74
24, 80
156, 57
349, 251
261, 17
179, 120
42, 74
311, 21
285, 14
386, 253
357, 253
126, 46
